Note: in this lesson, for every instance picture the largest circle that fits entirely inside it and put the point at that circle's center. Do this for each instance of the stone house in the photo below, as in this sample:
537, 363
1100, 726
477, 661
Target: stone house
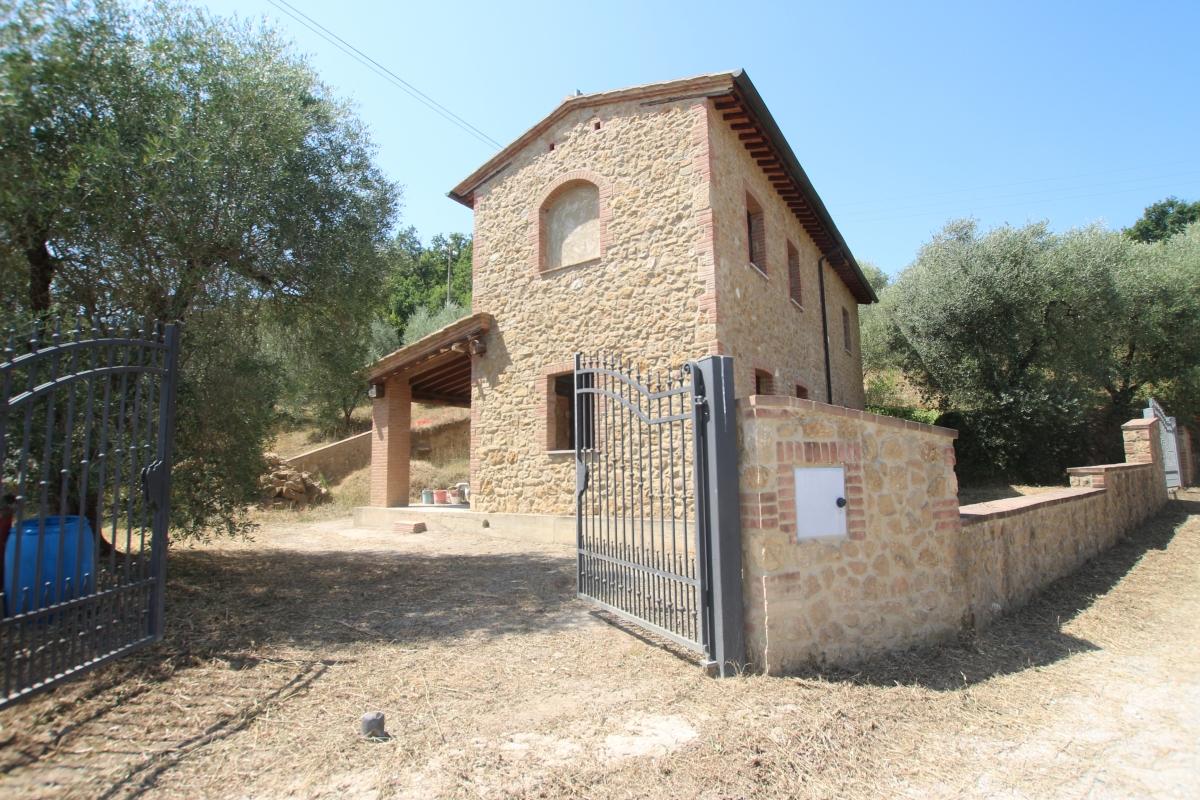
663, 222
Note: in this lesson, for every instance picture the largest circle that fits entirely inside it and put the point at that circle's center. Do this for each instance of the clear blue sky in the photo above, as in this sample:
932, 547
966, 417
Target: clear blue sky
904, 115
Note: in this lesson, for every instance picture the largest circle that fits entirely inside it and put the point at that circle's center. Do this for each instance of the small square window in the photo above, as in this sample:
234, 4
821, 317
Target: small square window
801, 391
763, 382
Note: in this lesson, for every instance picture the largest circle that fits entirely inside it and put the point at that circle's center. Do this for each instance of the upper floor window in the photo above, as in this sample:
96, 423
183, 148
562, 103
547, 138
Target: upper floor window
794, 275
846, 342
570, 225
756, 235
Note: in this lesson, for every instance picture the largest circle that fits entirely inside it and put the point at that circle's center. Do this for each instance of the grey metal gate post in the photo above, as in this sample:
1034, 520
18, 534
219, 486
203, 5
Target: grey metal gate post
722, 512
159, 489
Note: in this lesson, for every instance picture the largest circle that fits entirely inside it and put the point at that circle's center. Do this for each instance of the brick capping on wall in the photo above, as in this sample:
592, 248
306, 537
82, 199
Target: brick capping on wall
783, 401
1011, 506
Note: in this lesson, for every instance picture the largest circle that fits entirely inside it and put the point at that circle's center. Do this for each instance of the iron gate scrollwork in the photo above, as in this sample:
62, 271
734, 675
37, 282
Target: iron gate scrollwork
86, 430
656, 500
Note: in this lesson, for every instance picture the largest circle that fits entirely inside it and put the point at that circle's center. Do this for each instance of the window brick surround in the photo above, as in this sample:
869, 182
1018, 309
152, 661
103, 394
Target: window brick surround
537, 238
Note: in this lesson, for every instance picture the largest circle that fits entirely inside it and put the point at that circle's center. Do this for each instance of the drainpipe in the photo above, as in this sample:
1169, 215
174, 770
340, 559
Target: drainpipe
825, 321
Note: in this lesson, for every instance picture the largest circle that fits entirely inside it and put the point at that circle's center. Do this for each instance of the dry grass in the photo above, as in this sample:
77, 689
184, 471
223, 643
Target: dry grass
497, 683
429, 416
296, 437
426, 475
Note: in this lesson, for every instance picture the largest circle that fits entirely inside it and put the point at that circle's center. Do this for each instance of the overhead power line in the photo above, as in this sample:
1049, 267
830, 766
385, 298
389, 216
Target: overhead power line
382, 71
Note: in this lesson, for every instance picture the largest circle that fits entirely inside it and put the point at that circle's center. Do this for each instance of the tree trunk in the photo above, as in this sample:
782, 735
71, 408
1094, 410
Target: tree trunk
41, 274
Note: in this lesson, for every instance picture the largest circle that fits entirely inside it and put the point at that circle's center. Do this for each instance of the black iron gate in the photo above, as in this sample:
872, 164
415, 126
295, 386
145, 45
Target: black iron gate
657, 525
86, 427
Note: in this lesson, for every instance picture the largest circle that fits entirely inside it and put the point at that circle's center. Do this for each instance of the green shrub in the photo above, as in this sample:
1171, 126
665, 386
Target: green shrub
922, 415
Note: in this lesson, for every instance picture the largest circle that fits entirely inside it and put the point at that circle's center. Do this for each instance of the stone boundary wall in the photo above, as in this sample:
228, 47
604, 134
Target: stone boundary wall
336, 460
1013, 547
913, 567
892, 581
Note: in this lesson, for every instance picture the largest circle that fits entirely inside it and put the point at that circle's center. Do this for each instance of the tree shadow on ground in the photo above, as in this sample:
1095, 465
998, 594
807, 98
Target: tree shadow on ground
1031, 636
225, 604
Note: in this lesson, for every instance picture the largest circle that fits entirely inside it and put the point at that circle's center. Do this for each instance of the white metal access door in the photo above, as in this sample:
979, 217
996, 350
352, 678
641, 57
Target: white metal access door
1168, 436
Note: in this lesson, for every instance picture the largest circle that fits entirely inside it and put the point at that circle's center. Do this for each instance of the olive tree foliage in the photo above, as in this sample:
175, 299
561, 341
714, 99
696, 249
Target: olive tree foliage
1038, 345
321, 365
872, 321
1149, 333
159, 161
425, 320
985, 325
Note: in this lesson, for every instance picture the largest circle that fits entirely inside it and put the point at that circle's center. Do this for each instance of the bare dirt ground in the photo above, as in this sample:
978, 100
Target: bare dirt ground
497, 683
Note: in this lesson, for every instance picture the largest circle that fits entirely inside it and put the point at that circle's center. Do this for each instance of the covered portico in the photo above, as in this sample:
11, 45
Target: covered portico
436, 370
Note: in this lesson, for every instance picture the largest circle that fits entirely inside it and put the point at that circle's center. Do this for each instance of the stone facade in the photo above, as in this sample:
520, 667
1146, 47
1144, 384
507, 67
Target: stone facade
666, 287
914, 566
638, 298
758, 323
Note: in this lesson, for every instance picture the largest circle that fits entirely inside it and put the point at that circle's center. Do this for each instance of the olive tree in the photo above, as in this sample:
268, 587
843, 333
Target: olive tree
1039, 345
989, 326
193, 169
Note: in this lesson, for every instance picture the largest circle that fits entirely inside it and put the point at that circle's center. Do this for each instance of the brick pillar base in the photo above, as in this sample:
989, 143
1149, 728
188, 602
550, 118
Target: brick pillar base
390, 444
1142, 445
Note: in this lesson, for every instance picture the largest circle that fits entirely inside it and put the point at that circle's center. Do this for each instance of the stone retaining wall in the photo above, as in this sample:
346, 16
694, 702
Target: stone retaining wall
913, 566
336, 460
442, 443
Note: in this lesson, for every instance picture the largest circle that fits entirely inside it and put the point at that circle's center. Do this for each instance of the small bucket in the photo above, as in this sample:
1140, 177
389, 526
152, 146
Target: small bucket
453, 497
427, 497
439, 496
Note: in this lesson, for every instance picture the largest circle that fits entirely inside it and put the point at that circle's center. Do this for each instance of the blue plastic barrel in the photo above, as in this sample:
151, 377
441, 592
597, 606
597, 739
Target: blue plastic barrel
19, 596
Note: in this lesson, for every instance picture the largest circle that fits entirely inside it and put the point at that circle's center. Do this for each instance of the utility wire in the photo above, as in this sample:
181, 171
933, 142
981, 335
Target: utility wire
381, 70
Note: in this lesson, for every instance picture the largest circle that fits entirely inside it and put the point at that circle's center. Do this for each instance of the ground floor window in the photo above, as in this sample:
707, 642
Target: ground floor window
561, 413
